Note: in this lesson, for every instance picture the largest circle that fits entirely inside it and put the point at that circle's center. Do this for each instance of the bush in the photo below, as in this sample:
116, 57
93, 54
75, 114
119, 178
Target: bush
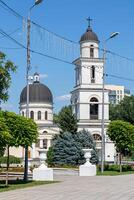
12, 160
67, 149
109, 167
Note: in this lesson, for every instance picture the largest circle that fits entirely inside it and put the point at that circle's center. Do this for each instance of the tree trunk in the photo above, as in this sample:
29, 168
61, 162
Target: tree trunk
26, 165
120, 162
7, 165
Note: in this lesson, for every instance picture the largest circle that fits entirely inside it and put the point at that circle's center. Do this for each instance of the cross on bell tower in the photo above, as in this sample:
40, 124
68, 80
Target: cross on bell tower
89, 22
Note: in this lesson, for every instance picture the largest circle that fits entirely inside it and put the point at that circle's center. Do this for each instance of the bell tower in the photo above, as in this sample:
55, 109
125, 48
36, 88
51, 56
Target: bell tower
86, 97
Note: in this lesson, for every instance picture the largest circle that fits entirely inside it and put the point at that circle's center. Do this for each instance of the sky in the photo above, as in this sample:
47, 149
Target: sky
68, 19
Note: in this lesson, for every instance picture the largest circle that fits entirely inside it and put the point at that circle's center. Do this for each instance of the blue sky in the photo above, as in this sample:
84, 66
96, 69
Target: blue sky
68, 18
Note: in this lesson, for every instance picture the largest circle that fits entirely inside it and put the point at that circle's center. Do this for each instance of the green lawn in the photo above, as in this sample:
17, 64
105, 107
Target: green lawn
113, 173
19, 184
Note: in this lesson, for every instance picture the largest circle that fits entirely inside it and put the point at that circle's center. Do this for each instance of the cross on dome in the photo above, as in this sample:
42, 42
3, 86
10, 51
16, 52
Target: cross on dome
89, 22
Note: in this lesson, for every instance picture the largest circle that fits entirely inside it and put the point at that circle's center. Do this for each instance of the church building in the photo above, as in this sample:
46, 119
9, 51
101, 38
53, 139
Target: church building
86, 100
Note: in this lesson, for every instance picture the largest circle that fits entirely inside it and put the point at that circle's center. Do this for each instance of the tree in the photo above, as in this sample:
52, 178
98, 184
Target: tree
5, 138
122, 134
67, 149
66, 120
23, 131
114, 112
4, 133
6, 68
124, 110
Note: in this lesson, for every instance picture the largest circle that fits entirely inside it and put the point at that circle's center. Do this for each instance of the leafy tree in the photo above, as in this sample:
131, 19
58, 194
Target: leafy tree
114, 112
6, 68
66, 120
67, 149
22, 130
4, 133
122, 133
124, 110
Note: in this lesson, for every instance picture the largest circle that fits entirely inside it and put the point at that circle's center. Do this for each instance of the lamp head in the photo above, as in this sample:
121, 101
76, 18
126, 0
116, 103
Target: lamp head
38, 2
114, 34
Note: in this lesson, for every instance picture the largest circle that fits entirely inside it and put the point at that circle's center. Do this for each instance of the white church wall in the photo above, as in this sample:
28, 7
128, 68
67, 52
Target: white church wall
39, 107
86, 71
85, 49
18, 152
109, 151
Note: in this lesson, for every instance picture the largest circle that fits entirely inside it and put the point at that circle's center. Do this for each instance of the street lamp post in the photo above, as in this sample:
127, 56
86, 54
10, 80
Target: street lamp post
27, 80
103, 102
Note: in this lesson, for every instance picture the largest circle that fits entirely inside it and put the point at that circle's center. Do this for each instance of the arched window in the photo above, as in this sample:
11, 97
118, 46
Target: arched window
91, 51
46, 115
93, 74
32, 114
45, 132
39, 115
97, 137
23, 113
94, 108
45, 143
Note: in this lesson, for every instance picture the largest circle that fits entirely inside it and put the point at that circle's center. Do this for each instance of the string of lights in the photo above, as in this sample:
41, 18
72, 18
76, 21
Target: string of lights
15, 13
64, 61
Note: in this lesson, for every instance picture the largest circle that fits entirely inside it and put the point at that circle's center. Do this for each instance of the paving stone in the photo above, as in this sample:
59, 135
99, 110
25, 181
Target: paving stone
78, 188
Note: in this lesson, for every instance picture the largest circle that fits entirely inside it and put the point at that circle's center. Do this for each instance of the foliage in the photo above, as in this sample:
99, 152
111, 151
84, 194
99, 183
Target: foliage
124, 110
114, 112
113, 173
67, 149
2, 150
122, 133
6, 68
110, 167
12, 160
23, 130
66, 120
4, 133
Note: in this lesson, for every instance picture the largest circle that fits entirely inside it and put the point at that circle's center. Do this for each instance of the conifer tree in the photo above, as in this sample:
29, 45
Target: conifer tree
67, 149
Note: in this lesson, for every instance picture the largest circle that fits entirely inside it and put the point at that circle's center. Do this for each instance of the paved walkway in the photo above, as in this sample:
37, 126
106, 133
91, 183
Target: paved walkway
78, 188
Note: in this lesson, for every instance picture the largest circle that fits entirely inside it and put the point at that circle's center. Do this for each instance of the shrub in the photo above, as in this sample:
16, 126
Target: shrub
12, 160
109, 167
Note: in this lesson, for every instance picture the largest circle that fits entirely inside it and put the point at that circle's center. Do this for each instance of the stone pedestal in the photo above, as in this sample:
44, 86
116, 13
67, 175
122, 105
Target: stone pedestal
87, 169
43, 173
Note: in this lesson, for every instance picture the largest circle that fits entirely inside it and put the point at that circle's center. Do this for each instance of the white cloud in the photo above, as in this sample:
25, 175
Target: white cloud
65, 97
42, 76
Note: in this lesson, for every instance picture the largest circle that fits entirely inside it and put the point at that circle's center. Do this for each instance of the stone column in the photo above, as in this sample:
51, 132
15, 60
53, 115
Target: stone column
41, 143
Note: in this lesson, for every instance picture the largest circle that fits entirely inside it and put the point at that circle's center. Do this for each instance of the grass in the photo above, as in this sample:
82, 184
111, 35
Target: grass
113, 173
20, 184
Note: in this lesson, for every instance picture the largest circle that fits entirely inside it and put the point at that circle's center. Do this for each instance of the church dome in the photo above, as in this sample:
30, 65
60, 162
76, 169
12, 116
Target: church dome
89, 35
38, 93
